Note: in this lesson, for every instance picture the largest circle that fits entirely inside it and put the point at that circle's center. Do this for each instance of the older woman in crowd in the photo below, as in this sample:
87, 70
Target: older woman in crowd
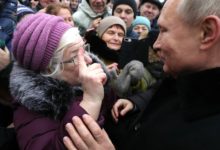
52, 80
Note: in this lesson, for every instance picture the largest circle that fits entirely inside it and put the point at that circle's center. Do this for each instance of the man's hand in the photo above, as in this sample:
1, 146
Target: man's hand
121, 108
86, 134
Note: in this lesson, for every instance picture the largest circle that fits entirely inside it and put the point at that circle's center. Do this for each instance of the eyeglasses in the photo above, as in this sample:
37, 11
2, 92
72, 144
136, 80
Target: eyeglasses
74, 59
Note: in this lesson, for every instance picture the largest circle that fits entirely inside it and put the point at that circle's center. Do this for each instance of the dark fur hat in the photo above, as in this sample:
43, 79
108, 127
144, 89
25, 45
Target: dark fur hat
156, 2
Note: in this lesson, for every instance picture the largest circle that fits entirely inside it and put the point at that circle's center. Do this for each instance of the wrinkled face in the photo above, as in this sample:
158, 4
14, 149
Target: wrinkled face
140, 28
66, 15
113, 37
177, 43
126, 13
98, 6
70, 71
149, 10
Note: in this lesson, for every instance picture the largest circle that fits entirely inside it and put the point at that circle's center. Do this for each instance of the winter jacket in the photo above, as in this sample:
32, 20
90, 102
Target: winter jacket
42, 107
7, 21
180, 114
84, 16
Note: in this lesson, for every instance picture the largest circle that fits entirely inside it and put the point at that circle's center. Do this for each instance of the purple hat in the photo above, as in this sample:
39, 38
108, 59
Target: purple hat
36, 38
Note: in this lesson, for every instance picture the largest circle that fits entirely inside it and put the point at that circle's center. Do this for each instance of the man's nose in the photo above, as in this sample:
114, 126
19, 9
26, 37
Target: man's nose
157, 45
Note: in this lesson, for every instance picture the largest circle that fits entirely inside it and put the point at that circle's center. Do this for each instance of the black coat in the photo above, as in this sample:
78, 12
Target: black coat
182, 114
131, 49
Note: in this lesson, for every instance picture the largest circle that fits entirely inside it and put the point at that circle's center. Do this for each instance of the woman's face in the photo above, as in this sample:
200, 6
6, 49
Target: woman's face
140, 29
70, 71
66, 15
113, 37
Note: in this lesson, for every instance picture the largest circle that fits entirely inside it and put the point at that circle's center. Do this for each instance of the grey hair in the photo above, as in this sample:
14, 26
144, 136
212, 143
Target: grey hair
55, 66
194, 11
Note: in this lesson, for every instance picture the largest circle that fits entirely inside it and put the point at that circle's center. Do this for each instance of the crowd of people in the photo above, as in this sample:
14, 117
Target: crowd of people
109, 74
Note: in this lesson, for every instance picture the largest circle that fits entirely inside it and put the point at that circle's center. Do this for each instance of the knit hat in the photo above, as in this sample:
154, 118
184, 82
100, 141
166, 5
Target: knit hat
108, 22
140, 20
155, 2
130, 3
36, 38
23, 10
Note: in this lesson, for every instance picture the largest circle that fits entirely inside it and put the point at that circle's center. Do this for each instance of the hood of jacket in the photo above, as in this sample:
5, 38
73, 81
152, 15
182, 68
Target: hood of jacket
84, 6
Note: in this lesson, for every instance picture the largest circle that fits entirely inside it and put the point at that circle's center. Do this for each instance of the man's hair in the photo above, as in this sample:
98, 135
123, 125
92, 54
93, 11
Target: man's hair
193, 11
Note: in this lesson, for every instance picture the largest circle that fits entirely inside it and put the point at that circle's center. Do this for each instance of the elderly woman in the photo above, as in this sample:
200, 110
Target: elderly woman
53, 79
109, 43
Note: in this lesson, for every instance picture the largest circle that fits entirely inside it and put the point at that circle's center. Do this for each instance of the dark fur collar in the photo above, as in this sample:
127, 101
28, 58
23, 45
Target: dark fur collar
40, 94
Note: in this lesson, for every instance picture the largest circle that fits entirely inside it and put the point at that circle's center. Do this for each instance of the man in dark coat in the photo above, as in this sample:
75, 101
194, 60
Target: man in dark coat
183, 111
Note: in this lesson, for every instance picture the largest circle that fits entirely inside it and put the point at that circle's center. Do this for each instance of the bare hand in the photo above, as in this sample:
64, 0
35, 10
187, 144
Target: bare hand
113, 66
121, 107
86, 135
4, 58
92, 78
96, 23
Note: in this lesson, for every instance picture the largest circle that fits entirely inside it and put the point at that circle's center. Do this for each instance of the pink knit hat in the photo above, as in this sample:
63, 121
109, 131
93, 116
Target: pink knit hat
36, 38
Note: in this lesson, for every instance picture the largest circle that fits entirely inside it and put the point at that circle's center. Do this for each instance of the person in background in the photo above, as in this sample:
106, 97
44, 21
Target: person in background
8, 21
23, 11
89, 14
141, 25
33, 4
107, 41
65, 2
183, 113
110, 4
42, 4
61, 10
74, 5
52, 80
138, 2
151, 10
126, 10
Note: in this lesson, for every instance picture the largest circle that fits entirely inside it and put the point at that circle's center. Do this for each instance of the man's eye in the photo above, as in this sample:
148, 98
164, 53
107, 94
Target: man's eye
128, 11
118, 11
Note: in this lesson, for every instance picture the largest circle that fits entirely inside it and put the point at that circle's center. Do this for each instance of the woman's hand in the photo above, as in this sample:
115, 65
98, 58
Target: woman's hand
96, 23
92, 78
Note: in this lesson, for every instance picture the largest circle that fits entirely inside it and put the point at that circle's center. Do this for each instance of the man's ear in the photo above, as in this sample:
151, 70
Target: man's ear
210, 31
